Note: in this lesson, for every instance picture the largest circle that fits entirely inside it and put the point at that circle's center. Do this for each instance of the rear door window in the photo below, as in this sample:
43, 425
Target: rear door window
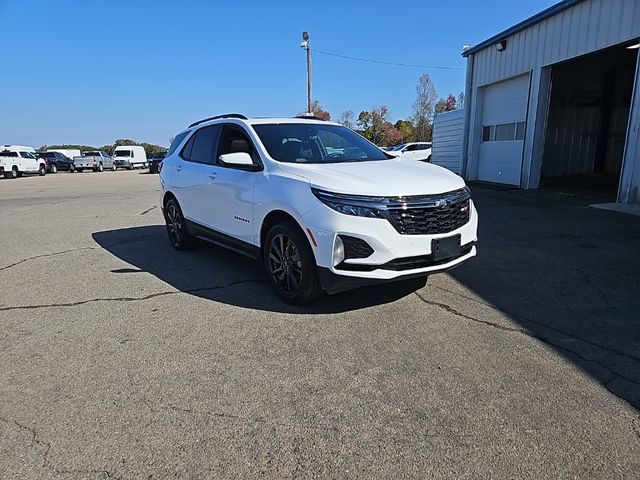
202, 145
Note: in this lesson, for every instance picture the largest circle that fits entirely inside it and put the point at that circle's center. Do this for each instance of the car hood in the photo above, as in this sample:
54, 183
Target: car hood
396, 177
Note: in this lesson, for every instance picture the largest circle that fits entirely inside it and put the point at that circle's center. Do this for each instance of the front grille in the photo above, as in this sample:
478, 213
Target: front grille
355, 247
430, 215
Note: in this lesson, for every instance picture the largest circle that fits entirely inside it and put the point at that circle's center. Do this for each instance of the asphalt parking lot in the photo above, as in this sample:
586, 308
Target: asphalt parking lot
124, 359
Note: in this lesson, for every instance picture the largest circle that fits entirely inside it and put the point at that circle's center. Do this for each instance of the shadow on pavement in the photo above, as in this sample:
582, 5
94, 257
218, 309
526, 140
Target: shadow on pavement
565, 273
217, 274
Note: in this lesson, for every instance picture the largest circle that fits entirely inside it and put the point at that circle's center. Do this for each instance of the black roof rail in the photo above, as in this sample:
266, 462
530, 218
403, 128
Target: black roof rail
309, 117
226, 115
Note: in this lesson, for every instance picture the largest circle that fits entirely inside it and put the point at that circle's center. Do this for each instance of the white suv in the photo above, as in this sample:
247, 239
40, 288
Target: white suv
320, 206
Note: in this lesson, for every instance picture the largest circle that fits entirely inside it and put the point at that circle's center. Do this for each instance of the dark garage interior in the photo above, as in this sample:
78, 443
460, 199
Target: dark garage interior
587, 122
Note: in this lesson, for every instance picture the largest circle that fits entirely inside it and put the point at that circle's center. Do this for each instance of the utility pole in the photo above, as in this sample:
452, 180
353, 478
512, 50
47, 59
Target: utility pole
306, 45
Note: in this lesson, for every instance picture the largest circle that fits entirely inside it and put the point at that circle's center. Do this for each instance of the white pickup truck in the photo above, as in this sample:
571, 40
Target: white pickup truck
95, 160
16, 160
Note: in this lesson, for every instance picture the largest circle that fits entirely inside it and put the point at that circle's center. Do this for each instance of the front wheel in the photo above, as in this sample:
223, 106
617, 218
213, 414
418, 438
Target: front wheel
113, 167
290, 264
100, 168
54, 169
12, 174
72, 168
42, 171
176, 226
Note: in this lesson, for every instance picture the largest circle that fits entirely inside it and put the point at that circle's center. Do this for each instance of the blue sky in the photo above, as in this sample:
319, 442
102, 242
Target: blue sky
89, 72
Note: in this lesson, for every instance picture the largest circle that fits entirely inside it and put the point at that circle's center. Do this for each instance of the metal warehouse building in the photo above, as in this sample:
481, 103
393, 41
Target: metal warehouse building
557, 97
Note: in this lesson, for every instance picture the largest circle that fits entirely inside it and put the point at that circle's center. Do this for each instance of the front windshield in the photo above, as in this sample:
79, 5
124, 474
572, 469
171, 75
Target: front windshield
27, 155
316, 143
123, 153
398, 147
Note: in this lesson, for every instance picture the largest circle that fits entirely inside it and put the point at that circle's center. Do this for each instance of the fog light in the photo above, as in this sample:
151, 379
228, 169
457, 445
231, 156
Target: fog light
338, 251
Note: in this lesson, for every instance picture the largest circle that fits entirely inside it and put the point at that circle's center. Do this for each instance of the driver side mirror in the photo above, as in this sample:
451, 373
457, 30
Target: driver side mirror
239, 160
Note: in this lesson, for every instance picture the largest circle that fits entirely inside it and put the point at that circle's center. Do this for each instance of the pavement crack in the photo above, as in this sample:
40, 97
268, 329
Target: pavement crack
148, 210
35, 440
6, 267
541, 338
543, 325
129, 299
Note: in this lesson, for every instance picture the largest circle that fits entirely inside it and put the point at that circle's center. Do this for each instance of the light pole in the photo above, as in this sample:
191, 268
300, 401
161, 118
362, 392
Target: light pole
306, 45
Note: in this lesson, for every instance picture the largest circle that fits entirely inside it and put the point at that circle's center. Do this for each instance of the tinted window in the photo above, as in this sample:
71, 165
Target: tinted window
46, 154
27, 155
123, 153
7, 153
201, 146
302, 143
176, 142
92, 154
505, 132
520, 131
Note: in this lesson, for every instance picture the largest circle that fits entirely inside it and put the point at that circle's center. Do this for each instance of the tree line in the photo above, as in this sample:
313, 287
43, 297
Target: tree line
375, 126
149, 148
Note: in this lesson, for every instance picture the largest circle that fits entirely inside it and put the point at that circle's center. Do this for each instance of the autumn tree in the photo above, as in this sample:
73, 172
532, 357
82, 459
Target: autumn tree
372, 124
347, 119
318, 111
423, 107
446, 104
406, 129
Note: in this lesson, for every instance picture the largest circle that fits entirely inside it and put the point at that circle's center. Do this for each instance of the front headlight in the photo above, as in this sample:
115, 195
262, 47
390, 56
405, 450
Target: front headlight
355, 205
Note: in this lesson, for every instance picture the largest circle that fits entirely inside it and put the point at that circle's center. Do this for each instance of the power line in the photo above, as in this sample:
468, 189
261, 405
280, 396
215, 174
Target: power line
412, 65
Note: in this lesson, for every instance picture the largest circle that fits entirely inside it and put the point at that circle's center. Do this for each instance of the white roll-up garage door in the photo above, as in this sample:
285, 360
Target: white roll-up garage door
504, 113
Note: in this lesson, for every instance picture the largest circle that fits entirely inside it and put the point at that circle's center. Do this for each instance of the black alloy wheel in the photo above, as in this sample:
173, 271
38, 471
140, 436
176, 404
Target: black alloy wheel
290, 264
176, 227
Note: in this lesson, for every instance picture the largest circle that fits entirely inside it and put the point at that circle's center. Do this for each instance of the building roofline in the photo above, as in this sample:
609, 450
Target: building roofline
537, 18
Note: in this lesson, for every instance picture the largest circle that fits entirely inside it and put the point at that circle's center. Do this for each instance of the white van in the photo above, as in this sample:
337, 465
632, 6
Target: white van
130, 156
67, 152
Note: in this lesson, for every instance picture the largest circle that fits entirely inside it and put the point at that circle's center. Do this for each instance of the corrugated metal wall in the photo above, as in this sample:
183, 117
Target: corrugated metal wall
584, 28
448, 134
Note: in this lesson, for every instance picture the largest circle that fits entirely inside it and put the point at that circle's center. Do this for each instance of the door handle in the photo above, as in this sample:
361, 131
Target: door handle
178, 168
212, 175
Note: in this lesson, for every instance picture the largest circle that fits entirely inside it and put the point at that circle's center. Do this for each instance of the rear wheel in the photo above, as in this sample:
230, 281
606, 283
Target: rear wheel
290, 264
12, 174
176, 227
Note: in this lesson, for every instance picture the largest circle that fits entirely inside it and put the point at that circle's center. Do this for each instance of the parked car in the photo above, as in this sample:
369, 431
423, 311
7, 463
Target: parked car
155, 161
96, 160
130, 157
412, 151
320, 206
67, 152
16, 160
56, 162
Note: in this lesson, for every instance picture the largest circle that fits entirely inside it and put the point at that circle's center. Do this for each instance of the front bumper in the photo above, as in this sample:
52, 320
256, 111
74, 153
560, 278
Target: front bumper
395, 256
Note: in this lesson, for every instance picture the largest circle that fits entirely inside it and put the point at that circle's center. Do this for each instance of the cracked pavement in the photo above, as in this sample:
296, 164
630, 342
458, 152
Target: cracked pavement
123, 359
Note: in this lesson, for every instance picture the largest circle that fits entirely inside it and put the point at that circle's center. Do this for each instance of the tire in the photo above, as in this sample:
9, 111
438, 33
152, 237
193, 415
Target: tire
12, 174
42, 171
179, 237
54, 168
290, 264
72, 168
113, 167
130, 167
100, 168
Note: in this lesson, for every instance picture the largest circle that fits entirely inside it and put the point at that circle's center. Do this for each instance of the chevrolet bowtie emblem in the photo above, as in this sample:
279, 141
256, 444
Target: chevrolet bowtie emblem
441, 203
